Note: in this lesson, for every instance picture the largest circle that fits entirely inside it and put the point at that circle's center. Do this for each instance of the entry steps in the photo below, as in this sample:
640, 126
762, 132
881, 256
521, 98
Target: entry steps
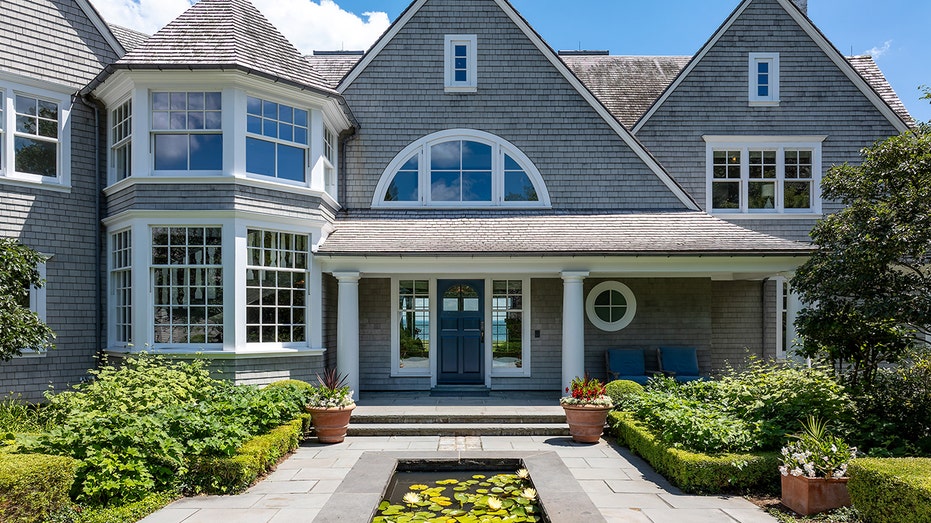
489, 423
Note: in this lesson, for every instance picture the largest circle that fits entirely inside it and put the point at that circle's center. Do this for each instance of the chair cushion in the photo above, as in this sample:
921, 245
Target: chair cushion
681, 360
628, 362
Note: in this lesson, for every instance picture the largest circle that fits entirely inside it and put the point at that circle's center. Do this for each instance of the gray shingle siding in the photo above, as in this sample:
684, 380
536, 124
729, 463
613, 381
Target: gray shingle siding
816, 98
521, 97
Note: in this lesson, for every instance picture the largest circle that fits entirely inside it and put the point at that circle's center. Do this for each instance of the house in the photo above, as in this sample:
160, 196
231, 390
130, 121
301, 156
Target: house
459, 206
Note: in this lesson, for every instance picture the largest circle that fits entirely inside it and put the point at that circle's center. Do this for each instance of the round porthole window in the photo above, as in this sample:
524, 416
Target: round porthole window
611, 306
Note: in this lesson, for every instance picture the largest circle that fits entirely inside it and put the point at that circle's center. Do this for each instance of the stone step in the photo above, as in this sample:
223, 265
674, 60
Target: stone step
457, 429
458, 418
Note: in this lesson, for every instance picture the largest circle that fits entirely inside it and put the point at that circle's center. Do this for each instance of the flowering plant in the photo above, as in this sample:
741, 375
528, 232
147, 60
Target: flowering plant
331, 392
816, 454
586, 391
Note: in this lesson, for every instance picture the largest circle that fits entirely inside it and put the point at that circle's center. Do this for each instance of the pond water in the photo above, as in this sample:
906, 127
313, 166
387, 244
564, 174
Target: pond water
460, 495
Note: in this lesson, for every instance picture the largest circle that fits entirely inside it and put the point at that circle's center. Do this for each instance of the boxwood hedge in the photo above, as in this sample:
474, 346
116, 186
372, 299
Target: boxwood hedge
34, 486
891, 490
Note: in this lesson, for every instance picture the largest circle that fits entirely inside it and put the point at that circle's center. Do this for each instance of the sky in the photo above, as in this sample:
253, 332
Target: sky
894, 32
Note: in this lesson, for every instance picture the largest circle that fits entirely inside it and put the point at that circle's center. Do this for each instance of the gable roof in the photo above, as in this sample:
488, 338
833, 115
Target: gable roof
225, 34
548, 52
814, 33
128, 38
94, 16
452, 233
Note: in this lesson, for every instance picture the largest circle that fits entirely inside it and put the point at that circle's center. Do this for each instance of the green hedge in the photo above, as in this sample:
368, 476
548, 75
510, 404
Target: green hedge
693, 472
891, 490
256, 456
33, 486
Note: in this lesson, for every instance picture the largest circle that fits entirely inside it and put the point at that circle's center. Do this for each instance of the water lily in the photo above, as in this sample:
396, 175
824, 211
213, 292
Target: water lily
419, 487
523, 473
412, 498
529, 493
494, 503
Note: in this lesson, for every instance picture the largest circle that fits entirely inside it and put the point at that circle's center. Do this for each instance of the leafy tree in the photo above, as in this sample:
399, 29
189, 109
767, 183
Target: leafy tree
871, 276
20, 328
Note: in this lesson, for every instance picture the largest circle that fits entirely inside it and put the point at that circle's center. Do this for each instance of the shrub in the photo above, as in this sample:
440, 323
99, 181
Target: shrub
695, 472
136, 427
17, 416
226, 475
33, 486
692, 425
624, 394
894, 490
133, 511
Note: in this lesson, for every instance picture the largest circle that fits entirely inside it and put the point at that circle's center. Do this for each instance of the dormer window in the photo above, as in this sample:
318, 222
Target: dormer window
764, 79
461, 168
186, 128
461, 70
277, 137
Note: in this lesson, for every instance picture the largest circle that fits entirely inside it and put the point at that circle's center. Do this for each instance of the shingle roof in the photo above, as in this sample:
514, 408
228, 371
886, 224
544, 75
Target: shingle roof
626, 85
476, 233
128, 38
334, 65
225, 34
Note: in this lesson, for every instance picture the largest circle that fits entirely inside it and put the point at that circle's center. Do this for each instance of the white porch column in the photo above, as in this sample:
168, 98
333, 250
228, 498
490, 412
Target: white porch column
573, 326
347, 328
793, 307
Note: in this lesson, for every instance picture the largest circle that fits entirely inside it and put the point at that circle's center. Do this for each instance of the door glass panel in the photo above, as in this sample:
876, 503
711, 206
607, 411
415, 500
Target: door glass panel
451, 304
470, 304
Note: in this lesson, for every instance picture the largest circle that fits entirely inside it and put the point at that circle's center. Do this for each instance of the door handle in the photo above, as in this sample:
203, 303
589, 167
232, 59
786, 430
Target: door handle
482, 327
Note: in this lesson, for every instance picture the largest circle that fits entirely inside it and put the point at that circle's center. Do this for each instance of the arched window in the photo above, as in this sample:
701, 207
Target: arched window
461, 168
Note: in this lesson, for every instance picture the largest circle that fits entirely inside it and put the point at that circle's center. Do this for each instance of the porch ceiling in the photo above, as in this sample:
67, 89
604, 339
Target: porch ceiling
477, 234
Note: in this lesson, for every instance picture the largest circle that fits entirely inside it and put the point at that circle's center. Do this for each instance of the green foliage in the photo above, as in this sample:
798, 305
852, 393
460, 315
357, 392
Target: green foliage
905, 429
332, 390
869, 275
691, 424
894, 490
228, 475
17, 416
33, 486
20, 328
586, 391
816, 453
695, 472
624, 394
125, 513
137, 427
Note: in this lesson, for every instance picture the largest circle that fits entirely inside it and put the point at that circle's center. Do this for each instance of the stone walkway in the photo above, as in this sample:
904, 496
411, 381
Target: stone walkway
621, 485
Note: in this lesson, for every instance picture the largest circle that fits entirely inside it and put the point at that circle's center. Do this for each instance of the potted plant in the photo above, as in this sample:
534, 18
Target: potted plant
586, 408
330, 405
814, 470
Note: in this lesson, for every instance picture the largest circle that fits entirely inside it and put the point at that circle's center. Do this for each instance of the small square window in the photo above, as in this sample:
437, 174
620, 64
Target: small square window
764, 79
460, 66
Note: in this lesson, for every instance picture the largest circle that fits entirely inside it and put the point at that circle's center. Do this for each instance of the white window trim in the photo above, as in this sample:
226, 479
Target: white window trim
111, 145
38, 305
112, 343
779, 144
449, 59
9, 88
755, 99
526, 337
781, 308
628, 315
396, 370
151, 132
500, 147
306, 148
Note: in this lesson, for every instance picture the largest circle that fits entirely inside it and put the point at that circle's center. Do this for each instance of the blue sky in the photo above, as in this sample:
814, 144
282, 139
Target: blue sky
900, 30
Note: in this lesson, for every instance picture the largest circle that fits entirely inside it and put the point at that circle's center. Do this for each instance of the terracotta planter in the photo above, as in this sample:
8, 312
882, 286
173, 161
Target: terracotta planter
330, 423
586, 422
808, 496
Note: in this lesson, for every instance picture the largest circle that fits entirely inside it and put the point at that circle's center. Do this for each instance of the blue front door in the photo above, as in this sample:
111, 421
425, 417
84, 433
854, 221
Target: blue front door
462, 332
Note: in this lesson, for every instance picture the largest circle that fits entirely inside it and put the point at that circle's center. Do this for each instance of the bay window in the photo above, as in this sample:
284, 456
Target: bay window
187, 131
276, 287
121, 120
277, 138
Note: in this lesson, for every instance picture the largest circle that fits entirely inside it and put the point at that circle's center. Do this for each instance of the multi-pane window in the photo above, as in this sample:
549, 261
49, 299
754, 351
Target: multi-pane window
2, 128
764, 178
186, 128
187, 273
611, 306
461, 63
121, 123
763, 77
463, 172
414, 312
276, 287
507, 324
121, 286
276, 139
36, 136
329, 152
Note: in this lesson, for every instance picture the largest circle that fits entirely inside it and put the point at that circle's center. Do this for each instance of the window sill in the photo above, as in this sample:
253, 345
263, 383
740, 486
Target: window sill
766, 216
246, 353
35, 182
460, 89
764, 103
29, 354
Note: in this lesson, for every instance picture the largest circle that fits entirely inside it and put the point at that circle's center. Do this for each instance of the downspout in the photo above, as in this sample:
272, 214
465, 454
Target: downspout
341, 190
98, 265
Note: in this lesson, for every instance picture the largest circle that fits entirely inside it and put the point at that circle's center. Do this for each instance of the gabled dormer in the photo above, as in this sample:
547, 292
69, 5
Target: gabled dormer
220, 93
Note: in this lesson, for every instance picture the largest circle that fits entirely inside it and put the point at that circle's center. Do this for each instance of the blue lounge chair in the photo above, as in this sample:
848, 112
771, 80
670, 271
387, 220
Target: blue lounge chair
627, 364
680, 363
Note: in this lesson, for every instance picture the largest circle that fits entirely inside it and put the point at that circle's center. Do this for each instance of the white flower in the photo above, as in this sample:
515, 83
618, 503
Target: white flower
523, 473
529, 493
494, 503
784, 470
796, 471
412, 498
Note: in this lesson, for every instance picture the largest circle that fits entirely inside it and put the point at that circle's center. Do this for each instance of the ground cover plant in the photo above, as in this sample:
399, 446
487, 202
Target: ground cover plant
138, 428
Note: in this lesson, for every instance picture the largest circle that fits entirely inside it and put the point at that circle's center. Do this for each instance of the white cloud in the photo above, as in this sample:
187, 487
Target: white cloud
876, 52
309, 25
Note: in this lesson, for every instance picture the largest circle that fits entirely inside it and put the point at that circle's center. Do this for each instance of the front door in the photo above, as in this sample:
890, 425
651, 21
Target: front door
462, 332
